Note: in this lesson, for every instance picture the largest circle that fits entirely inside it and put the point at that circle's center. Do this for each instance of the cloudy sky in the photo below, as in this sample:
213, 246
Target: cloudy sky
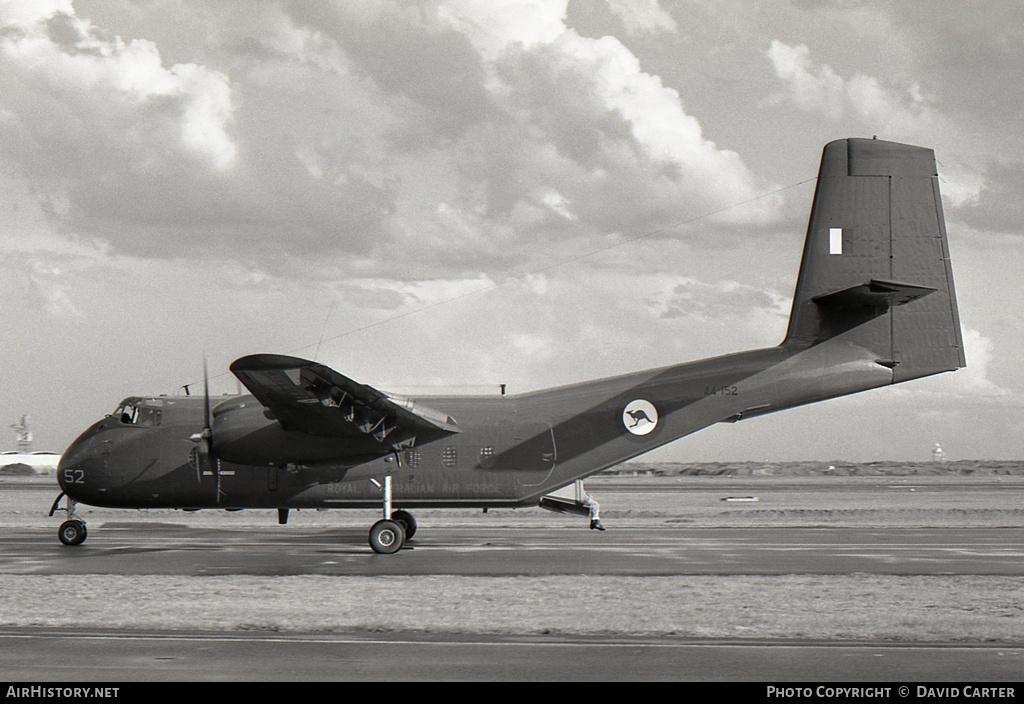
451, 194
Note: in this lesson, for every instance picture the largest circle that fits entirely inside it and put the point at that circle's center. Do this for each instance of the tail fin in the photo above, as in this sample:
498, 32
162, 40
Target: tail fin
876, 267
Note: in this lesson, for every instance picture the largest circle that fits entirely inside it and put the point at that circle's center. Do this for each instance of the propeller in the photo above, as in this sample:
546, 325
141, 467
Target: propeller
205, 459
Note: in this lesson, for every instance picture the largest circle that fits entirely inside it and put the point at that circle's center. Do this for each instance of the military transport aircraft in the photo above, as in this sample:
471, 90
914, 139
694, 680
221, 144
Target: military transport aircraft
874, 305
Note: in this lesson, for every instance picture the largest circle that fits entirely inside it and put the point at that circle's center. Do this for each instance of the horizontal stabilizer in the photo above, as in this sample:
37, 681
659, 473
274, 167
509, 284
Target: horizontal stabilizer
873, 294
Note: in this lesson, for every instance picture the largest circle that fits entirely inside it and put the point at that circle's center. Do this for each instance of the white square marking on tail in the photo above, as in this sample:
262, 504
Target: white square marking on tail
835, 240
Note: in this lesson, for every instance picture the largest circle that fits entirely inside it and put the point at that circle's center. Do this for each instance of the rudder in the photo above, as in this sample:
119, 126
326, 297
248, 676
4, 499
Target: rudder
876, 268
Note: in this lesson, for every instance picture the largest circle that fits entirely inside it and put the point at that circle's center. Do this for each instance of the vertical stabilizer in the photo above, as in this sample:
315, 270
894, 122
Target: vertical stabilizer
876, 270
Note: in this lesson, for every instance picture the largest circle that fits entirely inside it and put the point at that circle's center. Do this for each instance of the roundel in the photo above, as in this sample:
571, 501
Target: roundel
640, 417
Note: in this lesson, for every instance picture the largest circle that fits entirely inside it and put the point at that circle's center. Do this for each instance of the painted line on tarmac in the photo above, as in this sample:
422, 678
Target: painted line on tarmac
540, 640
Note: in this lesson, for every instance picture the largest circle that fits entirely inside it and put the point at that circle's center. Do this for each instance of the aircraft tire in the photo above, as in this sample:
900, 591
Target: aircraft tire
387, 537
72, 532
407, 521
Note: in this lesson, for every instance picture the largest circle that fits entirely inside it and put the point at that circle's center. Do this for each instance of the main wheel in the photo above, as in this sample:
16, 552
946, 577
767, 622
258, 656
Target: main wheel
387, 537
72, 532
407, 521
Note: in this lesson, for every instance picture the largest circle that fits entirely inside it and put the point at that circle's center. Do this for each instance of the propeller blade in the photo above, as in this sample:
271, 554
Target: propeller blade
208, 422
204, 452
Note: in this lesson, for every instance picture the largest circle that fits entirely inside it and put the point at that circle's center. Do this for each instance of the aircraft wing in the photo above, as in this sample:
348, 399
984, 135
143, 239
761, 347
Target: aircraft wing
312, 398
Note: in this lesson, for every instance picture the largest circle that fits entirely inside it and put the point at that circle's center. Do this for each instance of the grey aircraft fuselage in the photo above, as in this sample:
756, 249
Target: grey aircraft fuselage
874, 305
510, 450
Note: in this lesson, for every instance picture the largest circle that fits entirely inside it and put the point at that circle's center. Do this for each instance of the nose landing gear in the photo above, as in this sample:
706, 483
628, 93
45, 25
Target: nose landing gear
72, 531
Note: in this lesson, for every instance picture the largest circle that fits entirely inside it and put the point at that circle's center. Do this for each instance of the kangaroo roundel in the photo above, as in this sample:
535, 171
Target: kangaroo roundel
640, 417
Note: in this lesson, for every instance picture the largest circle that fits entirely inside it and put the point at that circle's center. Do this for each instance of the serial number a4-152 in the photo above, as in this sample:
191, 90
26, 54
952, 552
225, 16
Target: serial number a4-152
720, 391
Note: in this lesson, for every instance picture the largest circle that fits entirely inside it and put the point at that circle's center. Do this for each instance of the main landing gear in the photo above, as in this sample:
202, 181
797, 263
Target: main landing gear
388, 535
72, 531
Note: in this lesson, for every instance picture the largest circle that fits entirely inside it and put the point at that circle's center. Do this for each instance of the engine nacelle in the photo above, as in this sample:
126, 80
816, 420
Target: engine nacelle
244, 432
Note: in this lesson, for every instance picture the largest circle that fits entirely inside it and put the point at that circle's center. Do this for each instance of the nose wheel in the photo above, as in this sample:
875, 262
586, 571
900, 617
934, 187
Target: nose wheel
71, 531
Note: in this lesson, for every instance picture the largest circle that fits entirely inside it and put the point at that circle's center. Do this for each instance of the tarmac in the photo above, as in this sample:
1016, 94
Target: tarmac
45, 655
126, 548
538, 544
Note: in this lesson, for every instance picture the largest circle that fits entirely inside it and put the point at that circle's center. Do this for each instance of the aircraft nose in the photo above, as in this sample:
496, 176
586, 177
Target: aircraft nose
80, 469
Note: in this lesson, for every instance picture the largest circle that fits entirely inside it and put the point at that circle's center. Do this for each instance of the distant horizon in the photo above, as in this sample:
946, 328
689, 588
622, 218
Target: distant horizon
836, 462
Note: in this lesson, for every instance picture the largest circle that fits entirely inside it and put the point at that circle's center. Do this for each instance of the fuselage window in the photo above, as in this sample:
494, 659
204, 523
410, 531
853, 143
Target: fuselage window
412, 459
486, 456
144, 416
449, 457
148, 417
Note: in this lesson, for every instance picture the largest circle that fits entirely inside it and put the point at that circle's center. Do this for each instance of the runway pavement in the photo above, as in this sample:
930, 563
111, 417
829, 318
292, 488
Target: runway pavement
644, 539
152, 548
97, 656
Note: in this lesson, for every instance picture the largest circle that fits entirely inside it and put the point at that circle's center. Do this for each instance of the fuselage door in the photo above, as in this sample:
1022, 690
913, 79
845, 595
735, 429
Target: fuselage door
531, 456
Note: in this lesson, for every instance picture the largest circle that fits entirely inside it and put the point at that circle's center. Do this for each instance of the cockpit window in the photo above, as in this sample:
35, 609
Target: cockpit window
139, 414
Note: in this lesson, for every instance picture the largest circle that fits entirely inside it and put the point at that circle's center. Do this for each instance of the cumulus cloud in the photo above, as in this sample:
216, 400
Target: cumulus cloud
117, 146
642, 16
723, 302
49, 290
357, 138
604, 116
109, 88
898, 111
974, 378
42, 274
494, 25
811, 87
891, 109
